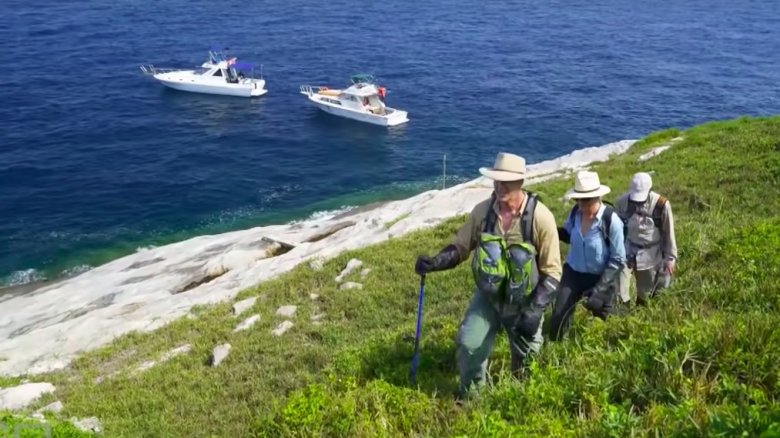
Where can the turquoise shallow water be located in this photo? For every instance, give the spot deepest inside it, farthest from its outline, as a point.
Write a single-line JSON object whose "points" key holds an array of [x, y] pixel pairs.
{"points": [[97, 161]]}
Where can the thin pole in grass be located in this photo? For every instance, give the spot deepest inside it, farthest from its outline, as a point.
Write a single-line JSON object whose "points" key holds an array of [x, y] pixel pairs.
{"points": [[444, 172]]}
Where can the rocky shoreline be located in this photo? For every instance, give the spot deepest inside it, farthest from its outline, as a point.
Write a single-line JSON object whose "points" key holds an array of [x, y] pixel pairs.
{"points": [[43, 329]]}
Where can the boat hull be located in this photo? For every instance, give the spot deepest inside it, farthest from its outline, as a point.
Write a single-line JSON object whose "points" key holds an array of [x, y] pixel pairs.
{"points": [[248, 89], [396, 117]]}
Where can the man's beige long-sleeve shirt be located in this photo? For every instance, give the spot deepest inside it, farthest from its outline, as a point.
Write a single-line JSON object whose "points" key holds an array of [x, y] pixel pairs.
{"points": [[544, 239]]}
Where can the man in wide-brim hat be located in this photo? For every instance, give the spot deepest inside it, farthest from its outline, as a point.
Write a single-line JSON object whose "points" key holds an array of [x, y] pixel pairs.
{"points": [[596, 253], [516, 268]]}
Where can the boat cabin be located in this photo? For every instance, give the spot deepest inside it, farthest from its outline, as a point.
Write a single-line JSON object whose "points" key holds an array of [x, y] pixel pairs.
{"points": [[364, 95], [220, 66], [230, 76], [230, 71]]}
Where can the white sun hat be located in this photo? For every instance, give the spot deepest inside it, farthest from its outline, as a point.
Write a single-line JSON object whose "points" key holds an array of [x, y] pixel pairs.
{"points": [[587, 185], [507, 167], [641, 184]]}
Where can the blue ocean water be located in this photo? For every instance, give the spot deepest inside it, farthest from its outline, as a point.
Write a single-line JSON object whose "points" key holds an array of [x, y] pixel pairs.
{"points": [[97, 160]]}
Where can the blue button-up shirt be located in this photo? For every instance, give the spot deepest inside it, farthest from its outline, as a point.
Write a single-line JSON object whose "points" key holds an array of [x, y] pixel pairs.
{"points": [[588, 253]]}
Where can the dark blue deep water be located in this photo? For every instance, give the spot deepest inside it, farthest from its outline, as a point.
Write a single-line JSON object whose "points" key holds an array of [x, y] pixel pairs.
{"points": [[96, 160]]}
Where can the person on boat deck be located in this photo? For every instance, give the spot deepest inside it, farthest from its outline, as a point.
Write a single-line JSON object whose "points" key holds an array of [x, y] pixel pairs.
{"points": [[651, 248], [368, 107], [516, 267], [596, 254]]}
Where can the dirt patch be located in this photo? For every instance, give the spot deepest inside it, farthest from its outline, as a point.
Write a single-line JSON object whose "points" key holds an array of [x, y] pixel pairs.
{"points": [[134, 280], [361, 209], [31, 289], [129, 308], [138, 265], [112, 365], [279, 248], [37, 324], [197, 282], [330, 231], [219, 247], [198, 276]]}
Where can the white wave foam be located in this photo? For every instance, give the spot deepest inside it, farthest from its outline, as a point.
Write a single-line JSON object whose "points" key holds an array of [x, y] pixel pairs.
{"points": [[18, 278], [327, 214], [76, 270], [322, 215]]}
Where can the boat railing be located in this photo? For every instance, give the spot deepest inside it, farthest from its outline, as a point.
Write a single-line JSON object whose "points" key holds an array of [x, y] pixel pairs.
{"points": [[311, 89], [152, 70]]}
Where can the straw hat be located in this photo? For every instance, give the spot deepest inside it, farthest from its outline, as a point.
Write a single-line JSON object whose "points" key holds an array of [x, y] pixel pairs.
{"points": [[508, 167], [587, 185]]}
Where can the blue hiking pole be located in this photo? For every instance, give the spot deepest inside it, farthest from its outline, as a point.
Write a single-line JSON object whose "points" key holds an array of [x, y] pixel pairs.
{"points": [[416, 356]]}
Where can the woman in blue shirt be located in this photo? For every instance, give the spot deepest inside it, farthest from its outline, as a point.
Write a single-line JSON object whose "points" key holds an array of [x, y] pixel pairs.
{"points": [[596, 254]]}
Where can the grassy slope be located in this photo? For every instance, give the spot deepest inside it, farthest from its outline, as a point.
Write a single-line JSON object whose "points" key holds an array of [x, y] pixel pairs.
{"points": [[700, 360]]}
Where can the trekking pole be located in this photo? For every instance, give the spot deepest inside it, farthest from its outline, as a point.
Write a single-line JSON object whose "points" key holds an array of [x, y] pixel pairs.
{"points": [[416, 356]]}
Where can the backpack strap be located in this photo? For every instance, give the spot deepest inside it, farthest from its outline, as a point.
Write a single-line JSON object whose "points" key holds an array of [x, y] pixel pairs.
{"points": [[606, 219], [630, 212], [490, 217], [606, 222], [572, 215], [527, 218], [630, 209], [656, 214], [658, 211]]}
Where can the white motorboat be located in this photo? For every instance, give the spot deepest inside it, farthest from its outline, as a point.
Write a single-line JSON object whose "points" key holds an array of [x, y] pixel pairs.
{"points": [[218, 75], [362, 101]]}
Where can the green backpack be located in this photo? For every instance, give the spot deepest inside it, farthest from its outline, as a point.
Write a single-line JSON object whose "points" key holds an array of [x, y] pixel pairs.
{"points": [[507, 270]]}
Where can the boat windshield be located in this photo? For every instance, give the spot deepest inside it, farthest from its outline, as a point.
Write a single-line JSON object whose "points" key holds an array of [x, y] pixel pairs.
{"points": [[216, 56], [363, 79]]}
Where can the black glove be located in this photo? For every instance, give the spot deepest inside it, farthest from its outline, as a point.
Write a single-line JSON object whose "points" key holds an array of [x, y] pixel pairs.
{"points": [[447, 258], [545, 290], [596, 301], [527, 323], [600, 295]]}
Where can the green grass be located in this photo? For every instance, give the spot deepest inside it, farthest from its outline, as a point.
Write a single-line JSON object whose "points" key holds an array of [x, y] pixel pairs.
{"points": [[699, 361], [6, 381], [30, 428], [390, 224]]}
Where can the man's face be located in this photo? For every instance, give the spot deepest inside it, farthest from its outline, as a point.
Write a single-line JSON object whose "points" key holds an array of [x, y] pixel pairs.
{"points": [[505, 190], [587, 203]]}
